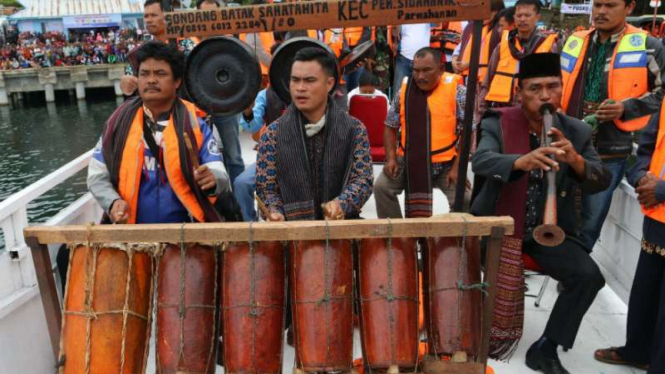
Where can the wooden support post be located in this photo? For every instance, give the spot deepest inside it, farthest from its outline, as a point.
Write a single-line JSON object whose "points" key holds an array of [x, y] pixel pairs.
{"points": [[491, 275], [469, 109], [49, 295]]}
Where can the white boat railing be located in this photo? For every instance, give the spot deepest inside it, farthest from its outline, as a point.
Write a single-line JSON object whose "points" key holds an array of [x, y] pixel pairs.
{"points": [[16, 270]]}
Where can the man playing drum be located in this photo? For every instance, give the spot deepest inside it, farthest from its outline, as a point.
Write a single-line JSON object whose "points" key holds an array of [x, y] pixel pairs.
{"points": [[315, 158], [410, 164], [143, 168], [511, 163]]}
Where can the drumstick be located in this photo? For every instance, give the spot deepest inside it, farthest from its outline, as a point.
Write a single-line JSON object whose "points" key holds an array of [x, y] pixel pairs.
{"points": [[262, 206]]}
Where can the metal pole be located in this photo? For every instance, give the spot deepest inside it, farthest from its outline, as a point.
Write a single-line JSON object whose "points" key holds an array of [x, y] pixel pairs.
{"points": [[655, 13], [167, 5], [471, 88]]}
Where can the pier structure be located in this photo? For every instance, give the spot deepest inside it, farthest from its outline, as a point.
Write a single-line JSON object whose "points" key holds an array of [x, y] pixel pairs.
{"points": [[48, 80]]}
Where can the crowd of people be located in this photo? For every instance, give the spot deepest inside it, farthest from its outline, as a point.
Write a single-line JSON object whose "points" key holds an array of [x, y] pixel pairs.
{"points": [[42, 50], [609, 76]]}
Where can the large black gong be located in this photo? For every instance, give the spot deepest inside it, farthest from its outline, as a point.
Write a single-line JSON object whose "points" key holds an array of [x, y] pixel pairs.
{"points": [[223, 75], [280, 66]]}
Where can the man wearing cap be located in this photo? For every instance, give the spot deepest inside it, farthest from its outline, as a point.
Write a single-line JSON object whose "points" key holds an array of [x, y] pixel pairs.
{"points": [[613, 76], [314, 161], [511, 164], [409, 164]]}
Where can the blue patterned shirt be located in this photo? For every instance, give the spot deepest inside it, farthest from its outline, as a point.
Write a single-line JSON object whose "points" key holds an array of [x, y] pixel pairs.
{"points": [[354, 194]]}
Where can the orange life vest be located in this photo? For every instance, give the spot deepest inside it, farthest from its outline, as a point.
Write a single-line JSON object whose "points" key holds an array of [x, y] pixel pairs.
{"points": [[466, 51], [442, 104], [504, 83], [132, 161], [628, 75], [454, 27], [484, 56], [334, 40], [657, 168], [353, 35]]}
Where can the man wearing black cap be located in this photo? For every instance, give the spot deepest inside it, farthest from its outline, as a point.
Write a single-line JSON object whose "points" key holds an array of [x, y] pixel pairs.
{"points": [[511, 164]]}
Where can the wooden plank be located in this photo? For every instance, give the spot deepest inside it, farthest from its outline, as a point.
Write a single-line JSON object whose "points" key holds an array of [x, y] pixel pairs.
{"points": [[448, 367], [491, 274], [304, 15], [438, 226], [49, 295]]}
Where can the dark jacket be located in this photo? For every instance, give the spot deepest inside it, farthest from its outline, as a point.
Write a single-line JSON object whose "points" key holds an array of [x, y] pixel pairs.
{"points": [[493, 169], [653, 231]]}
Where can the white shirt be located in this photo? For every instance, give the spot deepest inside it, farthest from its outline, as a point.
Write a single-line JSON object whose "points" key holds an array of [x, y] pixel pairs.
{"points": [[412, 38], [356, 91]]}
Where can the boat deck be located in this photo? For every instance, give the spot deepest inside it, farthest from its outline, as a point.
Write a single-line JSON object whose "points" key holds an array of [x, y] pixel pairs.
{"points": [[603, 326]]}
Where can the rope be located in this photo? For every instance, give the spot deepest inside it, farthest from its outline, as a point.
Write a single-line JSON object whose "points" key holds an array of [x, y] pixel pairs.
{"points": [[211, 354], [89, 290], [252, 290], [390, 297], [327, 296], [162, 249], [182, 310], [125, 308], [482, 286], [461, 270], [151, 296]]}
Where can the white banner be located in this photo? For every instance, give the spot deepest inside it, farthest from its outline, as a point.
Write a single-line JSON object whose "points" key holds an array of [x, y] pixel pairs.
{"points": [[576, 8], [92, 21]]}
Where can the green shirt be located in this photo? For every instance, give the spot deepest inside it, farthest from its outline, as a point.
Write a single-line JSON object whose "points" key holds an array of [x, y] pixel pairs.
{"points": [[594, 78]]}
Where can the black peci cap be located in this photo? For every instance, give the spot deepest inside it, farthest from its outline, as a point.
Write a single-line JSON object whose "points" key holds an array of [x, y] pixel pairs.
{"points": [[538, 65]]}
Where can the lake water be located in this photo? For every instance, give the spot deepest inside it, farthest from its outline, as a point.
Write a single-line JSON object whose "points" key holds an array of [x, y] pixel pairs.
{"points": [[37, 138]]}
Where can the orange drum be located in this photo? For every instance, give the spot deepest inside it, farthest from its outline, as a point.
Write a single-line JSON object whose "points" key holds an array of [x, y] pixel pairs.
{"points": [[322, 294], [453, 299], [107, 310], [254, 303], [388, 292], [186, 309]]}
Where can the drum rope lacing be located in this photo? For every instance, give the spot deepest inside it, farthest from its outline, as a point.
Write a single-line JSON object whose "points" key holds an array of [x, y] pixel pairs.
{"points": [[88, 311], [482, 286], [182, 309], [252, 291], [460, 285], [390, 297], [326, 297]]}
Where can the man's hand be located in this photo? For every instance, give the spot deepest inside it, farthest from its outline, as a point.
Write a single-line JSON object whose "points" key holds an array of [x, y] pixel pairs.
{"points": [[249, 111], [453, 175], [128, 84], [646, 190], [333, 210], [610, 110], [459, 66], [275, 217], [538, 159], [119, 211], [205, 178], [570, 155], [391, 168]]}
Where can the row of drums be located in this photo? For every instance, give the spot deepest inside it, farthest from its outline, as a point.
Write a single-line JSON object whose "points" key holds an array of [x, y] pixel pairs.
{"points": [[240, 290]]}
